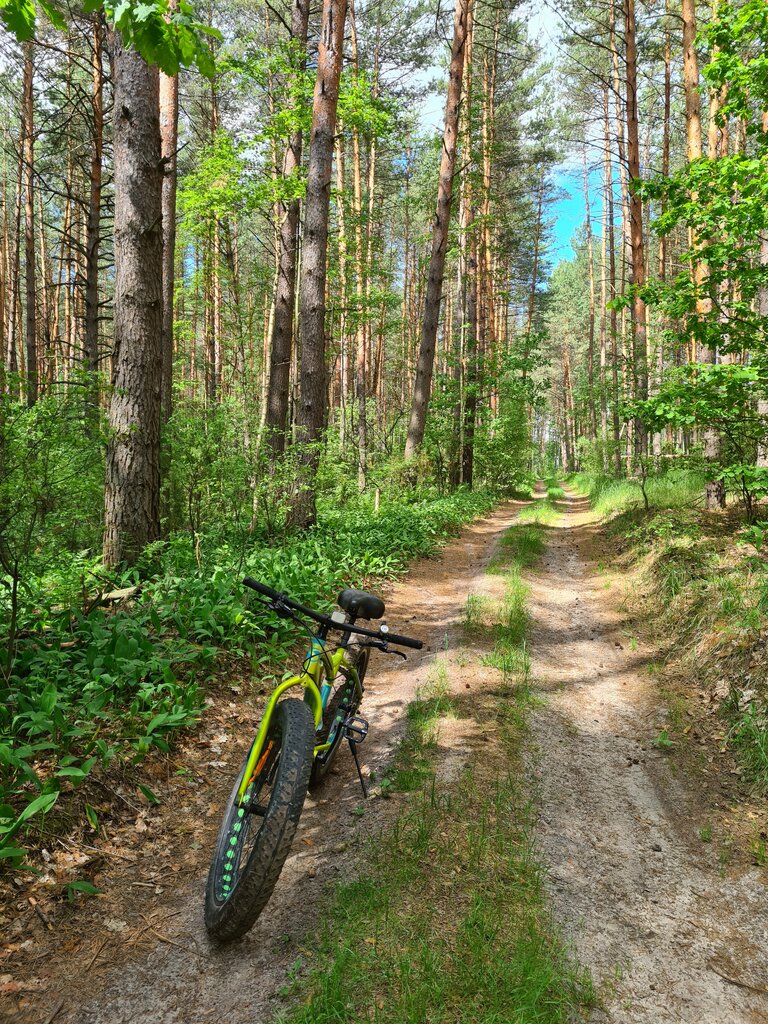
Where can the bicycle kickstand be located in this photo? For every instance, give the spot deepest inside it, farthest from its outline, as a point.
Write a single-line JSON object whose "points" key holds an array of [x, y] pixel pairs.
{"points": [[356, 730], [353, 748]]}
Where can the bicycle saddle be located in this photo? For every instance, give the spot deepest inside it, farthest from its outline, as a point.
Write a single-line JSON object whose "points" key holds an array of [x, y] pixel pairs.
{"points": [[361, 605]]}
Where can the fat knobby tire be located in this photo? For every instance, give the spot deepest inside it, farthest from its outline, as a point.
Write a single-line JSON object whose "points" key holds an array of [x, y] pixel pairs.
{"points": [[231, 917]]}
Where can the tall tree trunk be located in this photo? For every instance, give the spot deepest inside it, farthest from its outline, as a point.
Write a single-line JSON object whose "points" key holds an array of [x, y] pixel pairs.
{"points": [[472, 273], [132, 498], [276, 420], [15, 278], [423, 383], [762, 306], [28, 149], [640, 337], [471, 373], [169, 133], [93, 230], [714, 493], [45, 292], [612, 281], [313, 393], [343, 339], [591, 327], [361, 332]]}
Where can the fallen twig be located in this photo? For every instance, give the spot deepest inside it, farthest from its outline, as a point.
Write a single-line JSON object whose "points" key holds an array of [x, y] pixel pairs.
{"points": [[40, 913], [179, 945], [55, 1013], [172, 942], [95, 956]]}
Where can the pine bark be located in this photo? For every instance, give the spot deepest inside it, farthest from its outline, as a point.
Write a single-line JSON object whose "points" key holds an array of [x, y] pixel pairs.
{"points": [[276, 420], [640, 339], [169, 132], [28, 135], [313, 391], [132, 498], [423, 383], [714, 493], [93, 231]]}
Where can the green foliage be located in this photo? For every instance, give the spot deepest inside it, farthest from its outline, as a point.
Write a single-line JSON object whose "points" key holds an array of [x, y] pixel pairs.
{"points": [[724, 398], [172, 38], [701, 394], [738, 64], [86, 683], [226, 182], [676, 489], [724, 203]]}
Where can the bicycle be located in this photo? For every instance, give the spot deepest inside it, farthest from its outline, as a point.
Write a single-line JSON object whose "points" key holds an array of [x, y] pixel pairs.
{"points": [[296, 743]]}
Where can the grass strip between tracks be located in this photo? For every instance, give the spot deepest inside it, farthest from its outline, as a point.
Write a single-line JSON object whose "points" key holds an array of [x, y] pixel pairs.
{"points": [[449, 921]]}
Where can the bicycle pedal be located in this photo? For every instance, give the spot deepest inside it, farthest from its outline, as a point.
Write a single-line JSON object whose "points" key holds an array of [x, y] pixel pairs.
{"points": [[355, 729]]}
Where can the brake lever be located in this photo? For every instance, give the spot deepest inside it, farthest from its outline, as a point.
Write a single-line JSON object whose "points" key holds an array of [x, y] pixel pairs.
{"points": [[381, 645], [281, 610], [385, 649]]}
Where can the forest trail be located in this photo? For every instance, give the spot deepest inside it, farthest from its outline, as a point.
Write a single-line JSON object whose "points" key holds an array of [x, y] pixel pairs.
{"points": [[670, 934], [181, 978]]}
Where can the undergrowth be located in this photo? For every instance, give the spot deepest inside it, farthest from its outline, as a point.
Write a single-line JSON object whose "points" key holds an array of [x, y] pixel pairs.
{"points": [[449, 922], [675, 489], [82, 683], [706, 584]]}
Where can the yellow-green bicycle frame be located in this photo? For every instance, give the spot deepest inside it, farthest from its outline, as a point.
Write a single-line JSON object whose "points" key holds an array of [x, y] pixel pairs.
{"points": [[316, 694]]}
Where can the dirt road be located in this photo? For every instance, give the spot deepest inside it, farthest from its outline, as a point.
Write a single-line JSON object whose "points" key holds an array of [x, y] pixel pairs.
{"points": [[673, 935], [669, 934], [158, 967]]}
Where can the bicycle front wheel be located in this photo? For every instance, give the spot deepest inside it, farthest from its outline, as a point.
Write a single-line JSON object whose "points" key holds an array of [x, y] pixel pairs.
{"points": [[255, 837]]}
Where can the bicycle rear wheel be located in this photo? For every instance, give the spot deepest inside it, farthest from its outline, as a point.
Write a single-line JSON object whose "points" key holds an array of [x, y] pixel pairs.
{"points": [[255, 838]]}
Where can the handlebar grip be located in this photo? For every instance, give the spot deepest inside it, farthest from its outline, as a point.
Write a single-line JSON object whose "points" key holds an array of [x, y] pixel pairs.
{"points": [[260, 588], [404, 641]]}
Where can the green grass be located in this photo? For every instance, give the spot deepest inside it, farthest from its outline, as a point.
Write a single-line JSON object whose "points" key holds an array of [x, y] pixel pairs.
{"points": [[449, 923], [707, 592], [554, 491], [676, 489], [749, 737], [415, 760]]}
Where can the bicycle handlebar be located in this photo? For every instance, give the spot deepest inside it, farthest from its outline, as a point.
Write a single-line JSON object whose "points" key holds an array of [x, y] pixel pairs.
{"points": [[326, 620]]}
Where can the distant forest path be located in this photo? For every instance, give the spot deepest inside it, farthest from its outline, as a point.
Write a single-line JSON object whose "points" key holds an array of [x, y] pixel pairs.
{"points": [[143, 946], [672, 935]]}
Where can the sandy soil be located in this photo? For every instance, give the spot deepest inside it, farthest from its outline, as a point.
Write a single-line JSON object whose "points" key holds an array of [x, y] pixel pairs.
{"points": [[672, 935], [669, 933], [144, 955]]}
